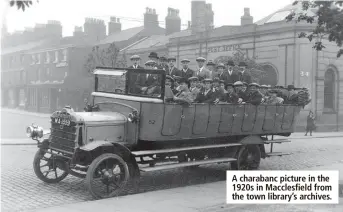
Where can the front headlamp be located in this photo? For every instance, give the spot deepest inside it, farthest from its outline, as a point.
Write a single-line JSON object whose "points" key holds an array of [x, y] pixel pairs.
{"points": [[133, 117], [34, 131]]}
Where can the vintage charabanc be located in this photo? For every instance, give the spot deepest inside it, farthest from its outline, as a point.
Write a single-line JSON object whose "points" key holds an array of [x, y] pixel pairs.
{"points": [[124, 132]]}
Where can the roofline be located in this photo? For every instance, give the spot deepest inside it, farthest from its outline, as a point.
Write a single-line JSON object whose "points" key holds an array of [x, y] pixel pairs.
{"points": [[137, 42], [54, 49]]}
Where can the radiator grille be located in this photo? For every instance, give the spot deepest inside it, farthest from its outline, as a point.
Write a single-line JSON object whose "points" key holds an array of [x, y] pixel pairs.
{"points": [[63, 138]]}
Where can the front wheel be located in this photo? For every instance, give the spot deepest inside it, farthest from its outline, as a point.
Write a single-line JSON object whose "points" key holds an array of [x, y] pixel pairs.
{"points": [[48, 168], [107, 176]]}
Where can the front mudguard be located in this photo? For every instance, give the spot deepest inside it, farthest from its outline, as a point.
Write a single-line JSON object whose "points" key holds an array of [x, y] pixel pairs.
{"points": [[97, 148]]}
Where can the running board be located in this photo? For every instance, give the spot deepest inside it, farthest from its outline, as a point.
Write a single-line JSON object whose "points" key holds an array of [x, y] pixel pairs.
{"points": [[277, 141], [164, 151], [271, 154], [187, 164]]}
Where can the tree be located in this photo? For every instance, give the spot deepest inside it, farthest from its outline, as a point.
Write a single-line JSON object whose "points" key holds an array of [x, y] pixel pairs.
{"points": [[328, 18], [257, 72], [107, 57], [21, 4]]}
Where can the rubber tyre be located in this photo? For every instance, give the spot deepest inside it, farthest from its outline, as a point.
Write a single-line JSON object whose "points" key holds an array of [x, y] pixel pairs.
{"points": [[95, 164], [255, 149], [39, 174]]}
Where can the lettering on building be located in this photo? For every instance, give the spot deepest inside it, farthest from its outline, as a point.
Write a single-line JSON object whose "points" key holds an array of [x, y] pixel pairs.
{"points": [[223, 48]]}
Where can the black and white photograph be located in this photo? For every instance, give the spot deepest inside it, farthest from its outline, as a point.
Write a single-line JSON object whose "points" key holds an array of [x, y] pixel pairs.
{"points": [[183, 105]]}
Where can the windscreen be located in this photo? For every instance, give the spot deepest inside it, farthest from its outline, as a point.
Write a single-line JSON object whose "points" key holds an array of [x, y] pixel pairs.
{"points": [[134, 83]]}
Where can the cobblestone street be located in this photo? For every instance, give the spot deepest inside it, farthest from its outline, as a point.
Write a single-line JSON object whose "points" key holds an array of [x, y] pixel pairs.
{"points": [[21, 190]]}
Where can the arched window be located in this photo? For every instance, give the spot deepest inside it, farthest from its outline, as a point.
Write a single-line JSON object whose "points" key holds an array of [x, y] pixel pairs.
{"points": [[329, 90], [270, 76]]}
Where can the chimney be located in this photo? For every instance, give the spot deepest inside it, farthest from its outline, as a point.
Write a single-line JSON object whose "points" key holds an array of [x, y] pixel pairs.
{"points": [[202, 16], [114, 25], [54, 29], [246, 19], [173, 21], [78, 31], [95, 29], [150, 18]]}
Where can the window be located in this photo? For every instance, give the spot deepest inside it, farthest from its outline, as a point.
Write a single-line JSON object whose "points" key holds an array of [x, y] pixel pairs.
{"points": [[47, 57], [38, 59], [38, 74], [32, 97], [22, 57], [33, 59], [45, 100], [56, 57], [329, 91], [47, 72], [64, 55]]}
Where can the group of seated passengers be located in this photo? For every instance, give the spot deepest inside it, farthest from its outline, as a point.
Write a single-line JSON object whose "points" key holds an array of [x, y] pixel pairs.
{"points": [[215, 91]]}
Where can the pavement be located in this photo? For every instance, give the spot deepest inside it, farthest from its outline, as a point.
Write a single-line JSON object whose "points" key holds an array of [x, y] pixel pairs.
{"points": [[206, 197]]}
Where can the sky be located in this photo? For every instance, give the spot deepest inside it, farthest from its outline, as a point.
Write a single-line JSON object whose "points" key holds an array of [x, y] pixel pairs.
{"points": [[72, 13]]}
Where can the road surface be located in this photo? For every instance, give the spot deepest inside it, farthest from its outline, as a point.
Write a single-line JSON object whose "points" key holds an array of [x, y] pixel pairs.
{"points": [[21, 190]]}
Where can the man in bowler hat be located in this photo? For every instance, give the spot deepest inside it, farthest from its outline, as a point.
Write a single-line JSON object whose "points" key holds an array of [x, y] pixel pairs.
{"points": [[244, 75]]}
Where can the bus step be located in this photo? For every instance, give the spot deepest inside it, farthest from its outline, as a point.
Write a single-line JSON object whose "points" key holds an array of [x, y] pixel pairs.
{"points": [[278, 141], [182, 149], [187, 164], [271, 154]]}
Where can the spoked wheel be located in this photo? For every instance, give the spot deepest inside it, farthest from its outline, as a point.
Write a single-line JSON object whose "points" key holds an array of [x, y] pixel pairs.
{"points": [[248, 158], [107, 176], [48, 168]]}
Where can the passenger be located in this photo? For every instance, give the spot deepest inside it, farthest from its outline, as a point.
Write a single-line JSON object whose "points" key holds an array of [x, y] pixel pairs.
{"points": [[168, 93], [230, 76], [240, 91], [184, 95], [220, 72], [254, 95], [263, 90], [206, 95], [212, 68], [186, 72], [176, 84], [193, 86], [202, 72], [245, 86], [231, 96], [273, 98], [173, 71], [144, 80], [135, 60], [222, 85], [244, 74], [164, 64], [153, 57], [292, 97], [218, 92]]}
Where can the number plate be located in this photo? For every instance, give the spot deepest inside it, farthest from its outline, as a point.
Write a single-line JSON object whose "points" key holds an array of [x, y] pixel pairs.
{"points": [[64, 122]]}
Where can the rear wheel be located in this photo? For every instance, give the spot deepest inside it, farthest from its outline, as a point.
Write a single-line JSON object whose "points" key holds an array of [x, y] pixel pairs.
{"points": [[248, 158], [48, 168], [107, 176]]}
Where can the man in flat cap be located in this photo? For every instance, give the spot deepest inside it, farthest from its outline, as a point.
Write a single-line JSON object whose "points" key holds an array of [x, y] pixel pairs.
{"points": [[220, 72], [238, 86], [206, 95], [211, 66], [173, 71], [230, 76], [254, 95], [186, 72], [244, 74], [273, 98], [163, 64], [202, 72], [143, 81], [168, 92], [218, 93], [184, 95], [193, 81], [135, 59]]}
